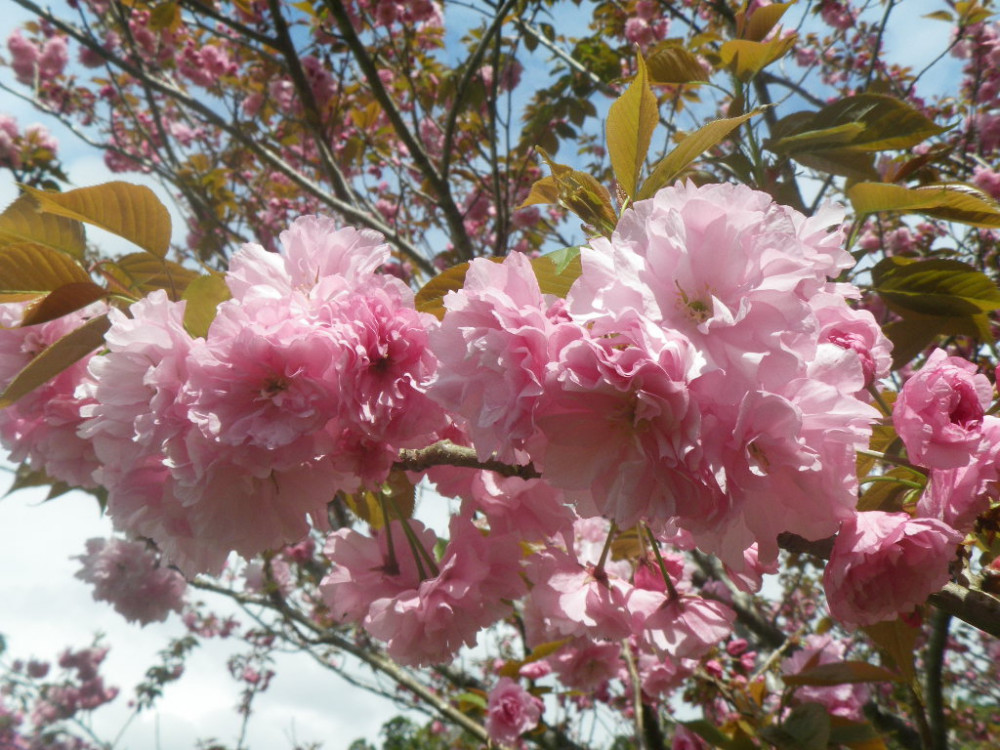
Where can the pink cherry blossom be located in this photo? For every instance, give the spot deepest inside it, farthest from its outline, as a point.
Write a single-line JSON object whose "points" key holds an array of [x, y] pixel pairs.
{"points": [[364, 572], [531, 508], [620, 423], [319, 260], [939, 412], [959, 496], [511, 711], [385, 365], [128, 575], [687, 626], [885, 564], [24, 57], [584, 664], [425, 618], [41, 427], [495, 345], [266, 382]]}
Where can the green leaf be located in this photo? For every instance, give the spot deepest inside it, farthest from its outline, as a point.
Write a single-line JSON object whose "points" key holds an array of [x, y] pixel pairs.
{"points": [[71, 348], [130, 211], [858, 735], [746, 58], [897, 641], [864, 122], [915, 332], [762, 20], [957, 202], [23, 222], [806, 728], [670, 63], [139, 274], [557, 270], [577, 192], [938, 286], [631, 121], [430, 297], [689, 149], [62, 301], [840, 673], [888, 496], [31, 268], [470, 699], [204, 294]]}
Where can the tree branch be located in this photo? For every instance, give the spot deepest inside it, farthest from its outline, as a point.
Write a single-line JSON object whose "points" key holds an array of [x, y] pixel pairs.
{"points": [[453, 216], [446, 453], [263, 152]]}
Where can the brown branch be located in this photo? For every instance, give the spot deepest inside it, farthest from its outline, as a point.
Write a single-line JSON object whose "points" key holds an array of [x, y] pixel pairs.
{"points": [[446, 453], [442, 190], [263, 152]]}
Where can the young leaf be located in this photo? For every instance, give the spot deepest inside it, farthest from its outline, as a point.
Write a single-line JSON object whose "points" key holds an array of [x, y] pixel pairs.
{"points": [[938, 286], [71, 348], [204, 294], [557, 271], [130, 211], [541, 651], [22, 221], [62, 301], [897, 641], [140, 273], [854, 734], [915, 332], [631, 121], [746, 58], [840, 673], [670, 63], [864, 122], [689, 149], [761, 21], [807, 727], [430, 297], [952, 202], [575, 191], [28, 267], [543, 191]]}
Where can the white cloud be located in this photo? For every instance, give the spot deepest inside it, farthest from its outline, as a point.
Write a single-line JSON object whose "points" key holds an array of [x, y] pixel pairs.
{"points": [[46, 609]]}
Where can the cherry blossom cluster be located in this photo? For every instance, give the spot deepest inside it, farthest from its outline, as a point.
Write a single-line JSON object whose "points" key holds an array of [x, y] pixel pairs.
{"points": [[310, 380], [38, 708], [704, 384], [129, 576], [26, 149]]}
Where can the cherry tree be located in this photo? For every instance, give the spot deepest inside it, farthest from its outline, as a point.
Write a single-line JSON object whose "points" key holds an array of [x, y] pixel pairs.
{"points": [[684, 312]]}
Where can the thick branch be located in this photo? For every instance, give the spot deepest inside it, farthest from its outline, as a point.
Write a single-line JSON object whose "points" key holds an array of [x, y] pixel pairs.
{"points": [[933, 687]]}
